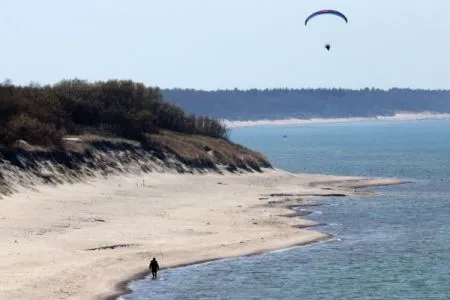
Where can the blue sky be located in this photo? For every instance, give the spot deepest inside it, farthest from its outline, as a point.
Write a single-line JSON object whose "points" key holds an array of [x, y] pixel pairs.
{"points": [[210, 44]]}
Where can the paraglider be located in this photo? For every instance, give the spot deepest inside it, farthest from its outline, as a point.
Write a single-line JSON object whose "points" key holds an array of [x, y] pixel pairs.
{"points": [[326, 12]]}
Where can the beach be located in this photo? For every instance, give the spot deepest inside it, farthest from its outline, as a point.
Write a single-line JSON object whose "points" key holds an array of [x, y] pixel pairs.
{"points": [[87, 240], [397, 117]]}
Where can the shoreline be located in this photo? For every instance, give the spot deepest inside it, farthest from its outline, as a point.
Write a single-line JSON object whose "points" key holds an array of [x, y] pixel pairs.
{"points": [[89, 240], [124, 289], [398, 117]]}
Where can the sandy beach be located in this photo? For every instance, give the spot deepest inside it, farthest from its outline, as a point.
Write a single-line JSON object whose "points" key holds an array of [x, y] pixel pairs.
{"points": [[398, 117], [86, 240]]}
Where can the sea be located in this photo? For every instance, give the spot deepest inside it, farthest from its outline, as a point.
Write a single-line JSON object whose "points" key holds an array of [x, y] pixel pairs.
{"points": [[392, 245]]}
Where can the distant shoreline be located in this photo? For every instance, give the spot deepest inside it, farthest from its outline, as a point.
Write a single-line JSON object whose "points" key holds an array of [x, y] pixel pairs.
{"points": [[401, 116]]}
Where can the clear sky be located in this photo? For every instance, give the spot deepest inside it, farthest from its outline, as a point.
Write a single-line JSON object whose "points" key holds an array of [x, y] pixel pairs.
{"points": [[209, 44]]}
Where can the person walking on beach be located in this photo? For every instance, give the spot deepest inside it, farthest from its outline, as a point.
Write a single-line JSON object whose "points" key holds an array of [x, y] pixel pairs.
{"points": [[154, 266]]}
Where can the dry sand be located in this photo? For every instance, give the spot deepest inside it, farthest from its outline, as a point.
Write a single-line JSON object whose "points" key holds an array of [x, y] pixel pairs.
{"points": [[47, 235]]}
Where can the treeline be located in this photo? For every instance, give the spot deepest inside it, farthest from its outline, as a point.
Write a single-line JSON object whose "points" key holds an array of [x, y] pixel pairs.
{"points": [[42, 115], [257, 104]]}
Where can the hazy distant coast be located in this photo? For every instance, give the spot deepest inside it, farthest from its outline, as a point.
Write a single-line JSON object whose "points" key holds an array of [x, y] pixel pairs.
{"points": [[306, 103], [405, 116]]}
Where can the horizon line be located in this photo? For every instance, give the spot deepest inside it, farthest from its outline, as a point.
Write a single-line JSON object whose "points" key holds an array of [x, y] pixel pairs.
{"points": [[36, 83], [305, 88]]}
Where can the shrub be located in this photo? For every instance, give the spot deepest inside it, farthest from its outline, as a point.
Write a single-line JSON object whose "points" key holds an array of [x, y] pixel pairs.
{"points": [[41, 115]]}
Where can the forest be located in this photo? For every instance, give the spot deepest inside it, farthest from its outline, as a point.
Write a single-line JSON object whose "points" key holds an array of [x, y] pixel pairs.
{"points": [[255, 104]]}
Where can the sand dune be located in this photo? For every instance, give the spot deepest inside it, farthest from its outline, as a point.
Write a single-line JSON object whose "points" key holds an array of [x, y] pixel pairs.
{"points": [[81, 241]]}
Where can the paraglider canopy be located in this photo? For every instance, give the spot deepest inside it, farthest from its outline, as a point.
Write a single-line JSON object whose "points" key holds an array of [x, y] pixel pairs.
{"points": [[326, 12]]}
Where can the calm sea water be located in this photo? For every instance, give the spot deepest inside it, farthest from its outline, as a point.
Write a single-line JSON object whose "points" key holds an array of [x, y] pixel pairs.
{"points": [[395, 245]]}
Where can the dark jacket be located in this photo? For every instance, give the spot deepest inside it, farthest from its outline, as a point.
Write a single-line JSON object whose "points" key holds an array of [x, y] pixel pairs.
{"points": [[154, 266]]}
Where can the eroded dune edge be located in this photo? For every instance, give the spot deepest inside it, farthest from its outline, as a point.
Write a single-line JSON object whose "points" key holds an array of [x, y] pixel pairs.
{"points": [[87, 240]]}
